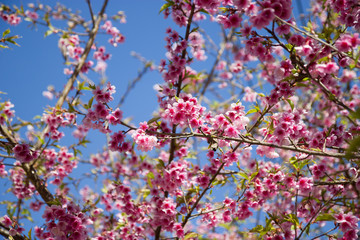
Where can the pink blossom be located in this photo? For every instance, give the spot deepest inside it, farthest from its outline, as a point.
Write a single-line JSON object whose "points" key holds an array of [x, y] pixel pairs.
{"points": [[250, 95], [348, 222], [6, 221], [305, 185], [145, 142], [48, 95], [241, 4], [12, 19], [267, 151], [23, 153], [32, 15], [3, 172]]}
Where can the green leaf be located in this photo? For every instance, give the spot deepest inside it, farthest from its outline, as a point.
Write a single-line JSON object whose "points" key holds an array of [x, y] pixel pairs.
{"points": [[191, 235], [298, 84], [89, 104], [227, 118], [161, 164], [307, 230], [298, 164], [353, 147], [244, 175], [40, 139], [251, 111], [166, 5], [292, 218], [257, 229], [154, 119], [71, 108], [204, 11], [97, 200], [254, 175], [356, 114], [56, 201], [325, 217], [290, 103], [29, 234], [12, 41], [6, 32], [48, 32], [150, 176], [194, 30], [295, 163], [146, 193]]}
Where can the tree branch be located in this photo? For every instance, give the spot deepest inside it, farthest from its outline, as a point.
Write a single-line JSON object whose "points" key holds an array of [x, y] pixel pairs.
{"points": [[201, 195], [253, 141]]}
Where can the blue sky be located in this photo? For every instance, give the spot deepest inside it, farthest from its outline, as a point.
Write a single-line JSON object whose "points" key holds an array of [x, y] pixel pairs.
{"points": [[26, 71]]}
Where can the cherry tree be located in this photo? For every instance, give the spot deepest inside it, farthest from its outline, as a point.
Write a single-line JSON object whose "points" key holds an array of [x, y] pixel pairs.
{"points": [[263, 143]]}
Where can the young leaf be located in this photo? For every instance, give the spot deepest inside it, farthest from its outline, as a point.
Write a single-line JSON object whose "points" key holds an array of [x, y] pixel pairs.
{"points": [[325, 217], [244, 175], [166, 5], [290, 103], [251, 111], [6, 32], [191, 235]]}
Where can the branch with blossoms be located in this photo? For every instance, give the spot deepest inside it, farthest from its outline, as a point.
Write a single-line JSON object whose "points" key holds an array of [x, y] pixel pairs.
{"points": [[252, 141], [202, 166]]}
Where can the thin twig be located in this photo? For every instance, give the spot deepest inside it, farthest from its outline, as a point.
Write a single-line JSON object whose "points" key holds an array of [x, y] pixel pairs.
{"points": [[187, 217], [253, 141], [311, 36], [91, 13], [210, 77]]}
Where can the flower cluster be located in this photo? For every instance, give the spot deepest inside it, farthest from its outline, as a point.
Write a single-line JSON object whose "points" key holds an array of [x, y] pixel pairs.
{"points": [[70, 48], [348, 225], [232, 21], [349, 12], [164, 215], [104, 95], [144, 141], [6, 113], [32, 15], [117, 143], [67, 221], [176, 175], [196, 43], [3, 172], [59, 165], [175, 47], [101, 57], [12, 19], [117, 37], [231, 122], [23, 153], [13, 225], [347, 42], [184, 111], [55, 120], [282, 90], [309, 122], [22, 188], [99, 114]]}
